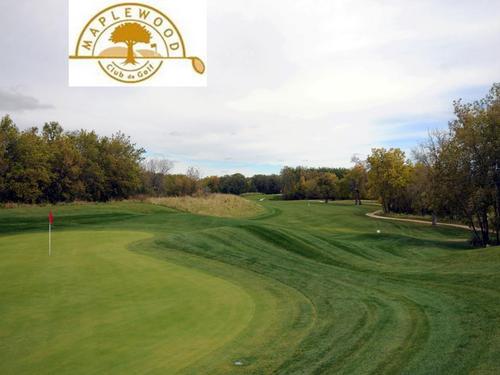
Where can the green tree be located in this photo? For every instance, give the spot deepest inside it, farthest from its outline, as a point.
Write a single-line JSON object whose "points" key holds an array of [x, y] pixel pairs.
{"points": [[388, 176], [327, 185], [29, 170], [420, 189], [180, 185], [233, 184], [93, 175], [289, 181], [52, 131], [8, 138], [211, 184], [65, 165], [121, 163], [356, 180], [465, 163], [265, 184]]}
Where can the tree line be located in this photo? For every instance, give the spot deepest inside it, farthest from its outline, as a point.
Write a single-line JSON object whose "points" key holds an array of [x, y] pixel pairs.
{"points": [[50, 165], [292, 183], [454, 175], [325, 183]]}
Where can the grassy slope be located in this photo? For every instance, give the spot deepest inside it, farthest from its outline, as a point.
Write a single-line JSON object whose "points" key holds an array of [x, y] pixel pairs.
{"points": [[409, 300]]}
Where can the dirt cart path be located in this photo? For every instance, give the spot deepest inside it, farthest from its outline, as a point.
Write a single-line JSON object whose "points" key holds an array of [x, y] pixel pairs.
{"points": [[375, 215]]}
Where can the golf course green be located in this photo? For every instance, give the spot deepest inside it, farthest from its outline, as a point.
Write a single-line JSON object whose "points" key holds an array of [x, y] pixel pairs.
{"points": [[303, 288]]}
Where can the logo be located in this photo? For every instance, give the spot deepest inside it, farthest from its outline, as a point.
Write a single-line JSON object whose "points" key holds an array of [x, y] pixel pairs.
{"points": [[130, 43]]}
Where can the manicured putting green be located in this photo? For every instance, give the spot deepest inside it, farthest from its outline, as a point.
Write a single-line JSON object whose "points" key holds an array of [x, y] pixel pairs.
{"points": [[94, 307]]}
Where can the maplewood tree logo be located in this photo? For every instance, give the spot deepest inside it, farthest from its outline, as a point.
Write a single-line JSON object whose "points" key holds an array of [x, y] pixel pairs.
{"points": [[130, 43]]}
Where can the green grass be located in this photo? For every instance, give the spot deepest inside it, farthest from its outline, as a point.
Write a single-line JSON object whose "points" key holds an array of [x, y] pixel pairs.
{"points": [[304, 288]]}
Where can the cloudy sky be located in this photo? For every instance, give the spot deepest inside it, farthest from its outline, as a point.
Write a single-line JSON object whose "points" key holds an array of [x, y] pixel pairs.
{"points": [[291, 82]]}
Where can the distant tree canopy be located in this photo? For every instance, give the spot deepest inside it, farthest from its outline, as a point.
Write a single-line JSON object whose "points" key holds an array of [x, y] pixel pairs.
{"points": [[322, 183], [239, 184], [234, 184], [56, 166], [265, 184]]}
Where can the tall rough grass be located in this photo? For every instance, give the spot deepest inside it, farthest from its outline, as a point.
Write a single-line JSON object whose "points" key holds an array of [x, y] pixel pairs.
{"points": [[221, 205]]}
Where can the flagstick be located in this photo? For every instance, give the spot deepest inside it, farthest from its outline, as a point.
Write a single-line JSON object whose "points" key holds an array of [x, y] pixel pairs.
{"points": [[50, 242]]}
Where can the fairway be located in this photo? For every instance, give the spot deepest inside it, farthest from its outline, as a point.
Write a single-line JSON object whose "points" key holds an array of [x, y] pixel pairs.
{"points": [[303, 288]]}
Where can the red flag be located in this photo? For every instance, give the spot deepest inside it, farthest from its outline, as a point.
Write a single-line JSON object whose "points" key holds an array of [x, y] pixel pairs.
{"points": [[51, 217]]}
